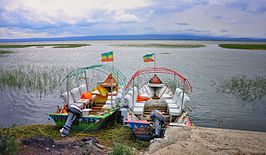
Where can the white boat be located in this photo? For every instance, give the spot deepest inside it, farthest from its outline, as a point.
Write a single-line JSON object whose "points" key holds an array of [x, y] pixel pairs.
{"points": [[148, 99]]}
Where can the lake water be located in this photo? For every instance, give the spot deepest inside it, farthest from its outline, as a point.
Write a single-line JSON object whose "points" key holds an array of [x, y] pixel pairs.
{"points": [[204, 68]]}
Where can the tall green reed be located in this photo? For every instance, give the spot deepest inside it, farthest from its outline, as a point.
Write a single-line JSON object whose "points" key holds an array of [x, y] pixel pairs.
{"points": [[32, 79], [245, 88]]}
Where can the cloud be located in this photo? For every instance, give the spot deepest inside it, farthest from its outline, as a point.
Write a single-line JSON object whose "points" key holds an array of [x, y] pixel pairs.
{"points": [[37, 13], [224, 30], [218, 17], [191, 30], [51, 18], [182, 24]]}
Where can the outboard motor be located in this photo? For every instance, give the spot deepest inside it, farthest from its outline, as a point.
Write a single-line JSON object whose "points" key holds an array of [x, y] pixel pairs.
{"points": [[158, 120], [74, 112]]}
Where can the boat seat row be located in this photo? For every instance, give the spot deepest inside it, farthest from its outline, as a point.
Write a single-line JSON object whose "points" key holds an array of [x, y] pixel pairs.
{"points": [[131, 99], [113, 99], [175, 105], [75, 95], [146, 91], [163, 92]]}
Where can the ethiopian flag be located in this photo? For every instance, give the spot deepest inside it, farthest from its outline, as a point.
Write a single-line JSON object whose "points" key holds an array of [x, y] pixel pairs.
{"points": [[108, 56], [148, 58]]}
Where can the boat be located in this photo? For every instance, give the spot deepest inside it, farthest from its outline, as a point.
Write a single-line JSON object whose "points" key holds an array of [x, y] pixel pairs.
{"points": [[93, 93], [153, 104]]}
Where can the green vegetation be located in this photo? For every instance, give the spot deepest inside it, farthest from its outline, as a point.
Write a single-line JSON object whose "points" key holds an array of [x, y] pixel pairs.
{"points": [[108, 136], [31, 79], [5, 52], [8, 144], [244, 46], [160, 45], [245, 88], [120, 149], [42, 45]]}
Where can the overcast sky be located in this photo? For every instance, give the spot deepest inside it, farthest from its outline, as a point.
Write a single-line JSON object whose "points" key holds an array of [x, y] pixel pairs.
{"points": [[63, 18]]}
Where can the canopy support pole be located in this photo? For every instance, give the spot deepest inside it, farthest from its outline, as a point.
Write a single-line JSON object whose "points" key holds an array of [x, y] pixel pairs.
{"points": [[67, 88], [87, 84], [133, 99]]}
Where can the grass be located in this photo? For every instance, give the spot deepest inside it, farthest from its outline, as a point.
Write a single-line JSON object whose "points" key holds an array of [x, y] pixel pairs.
{"points": [[41, 81], [160, 45], [122, 149], [109, 136], [8, 144], [244, 46], [42, 45], [5, 52], [245, 88]]}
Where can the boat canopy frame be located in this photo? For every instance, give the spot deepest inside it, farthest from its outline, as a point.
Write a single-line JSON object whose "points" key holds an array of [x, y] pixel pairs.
{"points": [[149, 70], [107, 69]]}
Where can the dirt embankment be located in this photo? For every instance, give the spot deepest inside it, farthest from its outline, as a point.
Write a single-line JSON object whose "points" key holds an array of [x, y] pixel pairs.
{"points": [[197, 140], [68, 146]]}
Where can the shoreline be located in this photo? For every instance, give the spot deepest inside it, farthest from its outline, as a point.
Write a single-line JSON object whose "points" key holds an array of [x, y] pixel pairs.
{"points": [[200, 140], [177, 140]]}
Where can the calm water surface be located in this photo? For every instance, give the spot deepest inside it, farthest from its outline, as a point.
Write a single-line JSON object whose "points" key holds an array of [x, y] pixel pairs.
{"points": [[204, 67]]}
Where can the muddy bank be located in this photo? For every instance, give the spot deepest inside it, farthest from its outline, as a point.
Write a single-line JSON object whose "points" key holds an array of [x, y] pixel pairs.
{"points": [[197, 140], [71, 146]]}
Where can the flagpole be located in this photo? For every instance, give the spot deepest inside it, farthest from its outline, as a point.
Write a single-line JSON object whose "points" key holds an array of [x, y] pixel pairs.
{"points": [[154, 62], [112, 82]]}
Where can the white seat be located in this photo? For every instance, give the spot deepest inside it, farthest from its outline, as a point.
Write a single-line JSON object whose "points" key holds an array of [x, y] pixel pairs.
{"points": [[64, 97], [83, 101], [107, 107], [82, 89], [114, 93], [178, 91], [174, 112], [173, 106], [109, 97], [139, 104], [75, 94], [164, 93], [138, 111], [86, 112], [109, 102], [166, 96]]}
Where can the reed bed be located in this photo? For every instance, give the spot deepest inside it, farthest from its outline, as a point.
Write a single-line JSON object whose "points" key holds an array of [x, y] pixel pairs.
{"points": [[32, 79], [246, 89], [244, 46], [5, 52], [160, 45], [42, 45]]}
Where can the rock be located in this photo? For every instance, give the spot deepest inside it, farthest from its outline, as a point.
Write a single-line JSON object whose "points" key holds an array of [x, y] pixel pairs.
{"points": [[100, 146], [197, 140]]}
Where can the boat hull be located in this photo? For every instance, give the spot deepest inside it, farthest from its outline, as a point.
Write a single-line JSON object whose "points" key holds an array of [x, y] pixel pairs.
{"points": [[141, 130], [85, 123]]}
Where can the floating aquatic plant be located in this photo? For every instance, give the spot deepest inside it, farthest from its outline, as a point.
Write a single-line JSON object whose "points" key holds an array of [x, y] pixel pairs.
{"points": [[245, 88]]}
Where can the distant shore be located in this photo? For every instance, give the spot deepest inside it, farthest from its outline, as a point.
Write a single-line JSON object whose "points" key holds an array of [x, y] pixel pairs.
{"points": [[244, 46], [43, 45]]}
